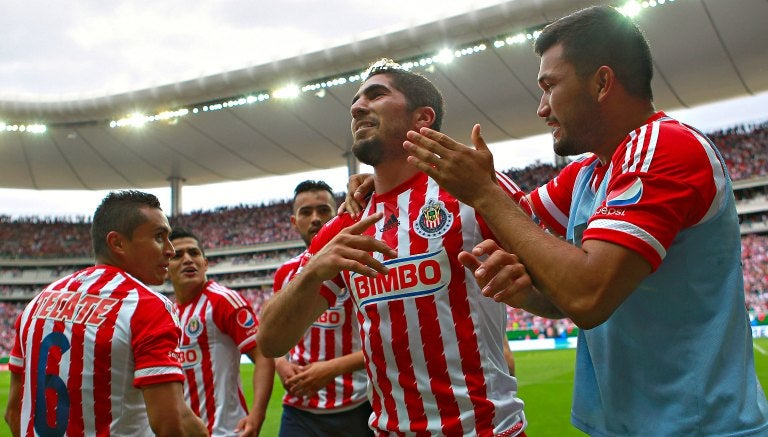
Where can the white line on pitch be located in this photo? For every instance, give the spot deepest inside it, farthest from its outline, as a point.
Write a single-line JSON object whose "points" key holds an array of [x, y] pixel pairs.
{"points": [[759, 349]]}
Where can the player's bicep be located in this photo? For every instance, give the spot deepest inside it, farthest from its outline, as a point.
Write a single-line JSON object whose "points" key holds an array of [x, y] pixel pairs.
{"points": [[616, 272]]}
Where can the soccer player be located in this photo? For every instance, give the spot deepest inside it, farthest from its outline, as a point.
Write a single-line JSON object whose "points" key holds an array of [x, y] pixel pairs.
{"points": [[652, 273], [217, 326], [96, 352], [323, 374], [432, 342]]}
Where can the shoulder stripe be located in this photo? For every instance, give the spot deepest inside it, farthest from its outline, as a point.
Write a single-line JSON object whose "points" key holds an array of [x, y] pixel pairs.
{"points": [[718, 175], [651, 146], [507, 183], [234, 298], [634, 144], [641, 148], [551, 208]]}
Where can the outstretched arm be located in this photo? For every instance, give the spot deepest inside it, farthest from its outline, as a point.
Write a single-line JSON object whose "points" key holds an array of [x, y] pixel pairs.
{"points": [[504, 279], [168, 414], [13, 409], [263, 380], [287, 315], [587, 283]]}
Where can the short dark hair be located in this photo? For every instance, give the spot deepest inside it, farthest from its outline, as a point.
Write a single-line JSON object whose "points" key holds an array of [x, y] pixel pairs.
{"points": [[601, 35], [417, 89], [310, 185], [185, 233], [119, 211]]}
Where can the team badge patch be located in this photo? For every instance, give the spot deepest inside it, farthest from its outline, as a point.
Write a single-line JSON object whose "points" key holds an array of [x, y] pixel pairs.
{"points": [[245, 319], [625, 194], [194, 327], [434, 221]]}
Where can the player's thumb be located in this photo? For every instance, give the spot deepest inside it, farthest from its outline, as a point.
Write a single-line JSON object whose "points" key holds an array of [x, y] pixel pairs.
{"points": [[477, 138]]}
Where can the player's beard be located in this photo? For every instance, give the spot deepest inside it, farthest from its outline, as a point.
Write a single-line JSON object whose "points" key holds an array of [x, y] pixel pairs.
{"points": [[579, 128], [369, 151]]}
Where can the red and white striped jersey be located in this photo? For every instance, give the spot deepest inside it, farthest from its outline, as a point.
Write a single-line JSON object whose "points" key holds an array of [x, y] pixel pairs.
{"points": [[216, 328], [86, 345], [334, 334], [431, 340]]}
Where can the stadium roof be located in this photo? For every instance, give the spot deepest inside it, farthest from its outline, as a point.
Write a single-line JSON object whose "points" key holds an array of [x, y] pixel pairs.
{"points": [[704, 51]]}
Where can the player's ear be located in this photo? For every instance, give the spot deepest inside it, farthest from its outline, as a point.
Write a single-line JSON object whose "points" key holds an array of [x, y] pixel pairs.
{"points": [[604, 80], [116, 242], [424, 116], [293, 220]]}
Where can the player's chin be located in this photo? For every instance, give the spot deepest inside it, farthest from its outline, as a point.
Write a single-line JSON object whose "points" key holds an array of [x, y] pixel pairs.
{"points": [[157, 278]]}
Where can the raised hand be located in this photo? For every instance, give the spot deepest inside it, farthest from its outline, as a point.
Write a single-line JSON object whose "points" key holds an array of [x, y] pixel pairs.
{"points": [[461, 170], [501, 275]]}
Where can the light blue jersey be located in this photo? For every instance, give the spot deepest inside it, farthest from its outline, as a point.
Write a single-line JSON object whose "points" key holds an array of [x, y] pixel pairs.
{"points": [[675, 358]]}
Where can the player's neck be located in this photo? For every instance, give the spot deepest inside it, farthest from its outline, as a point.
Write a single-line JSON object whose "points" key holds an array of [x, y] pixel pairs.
{"points": [[185, 295], [390, 174]]}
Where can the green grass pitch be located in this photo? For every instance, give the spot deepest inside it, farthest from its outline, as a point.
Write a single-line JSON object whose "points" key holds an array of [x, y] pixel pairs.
{"points": [[545, 384]]}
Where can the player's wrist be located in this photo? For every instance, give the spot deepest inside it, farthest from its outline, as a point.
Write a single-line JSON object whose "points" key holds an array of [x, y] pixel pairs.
{"points": [[486, 198]]}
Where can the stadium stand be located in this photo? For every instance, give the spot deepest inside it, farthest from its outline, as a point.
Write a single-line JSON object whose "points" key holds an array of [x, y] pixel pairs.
{"points": [[246, 243]]}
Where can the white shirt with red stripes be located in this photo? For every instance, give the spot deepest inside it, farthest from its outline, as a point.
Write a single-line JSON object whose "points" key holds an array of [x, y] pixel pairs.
{"points": [[334, 334], [86, 345], [217, 327], [431, 340]]}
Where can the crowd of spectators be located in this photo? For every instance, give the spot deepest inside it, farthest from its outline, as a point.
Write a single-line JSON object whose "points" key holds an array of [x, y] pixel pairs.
{"points": [[745, 149], [29, 237], [754, 256], [9, 311]]}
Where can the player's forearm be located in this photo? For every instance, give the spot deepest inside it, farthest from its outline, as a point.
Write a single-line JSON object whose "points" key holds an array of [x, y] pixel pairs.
{"points": [[186, 424], [288, 314], [349, 363], [585, 283], [263, 381], [538, 304], [13, 409], [13, 419], [193, 426]]}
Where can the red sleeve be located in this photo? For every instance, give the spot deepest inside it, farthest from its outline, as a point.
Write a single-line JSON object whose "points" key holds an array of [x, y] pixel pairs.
{"points": [[16, 361], [235, 317], [285, 273], [662, 182], [155, 340], [552, 202], [513, 191], [282, 275], [330, 289]]}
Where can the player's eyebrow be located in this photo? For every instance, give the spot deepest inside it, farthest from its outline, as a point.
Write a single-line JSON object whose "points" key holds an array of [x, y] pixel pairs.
{"points": [[368, 90]]}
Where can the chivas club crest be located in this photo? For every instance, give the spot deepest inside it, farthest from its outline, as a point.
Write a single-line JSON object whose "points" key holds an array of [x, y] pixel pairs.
{"points": [[433, 220], [194, 327]]}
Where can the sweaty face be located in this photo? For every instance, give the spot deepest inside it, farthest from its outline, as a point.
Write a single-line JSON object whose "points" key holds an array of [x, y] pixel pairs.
{"points": [[312, 209], [567, 105], [188, 266], [380, 120], [147, 253]]}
